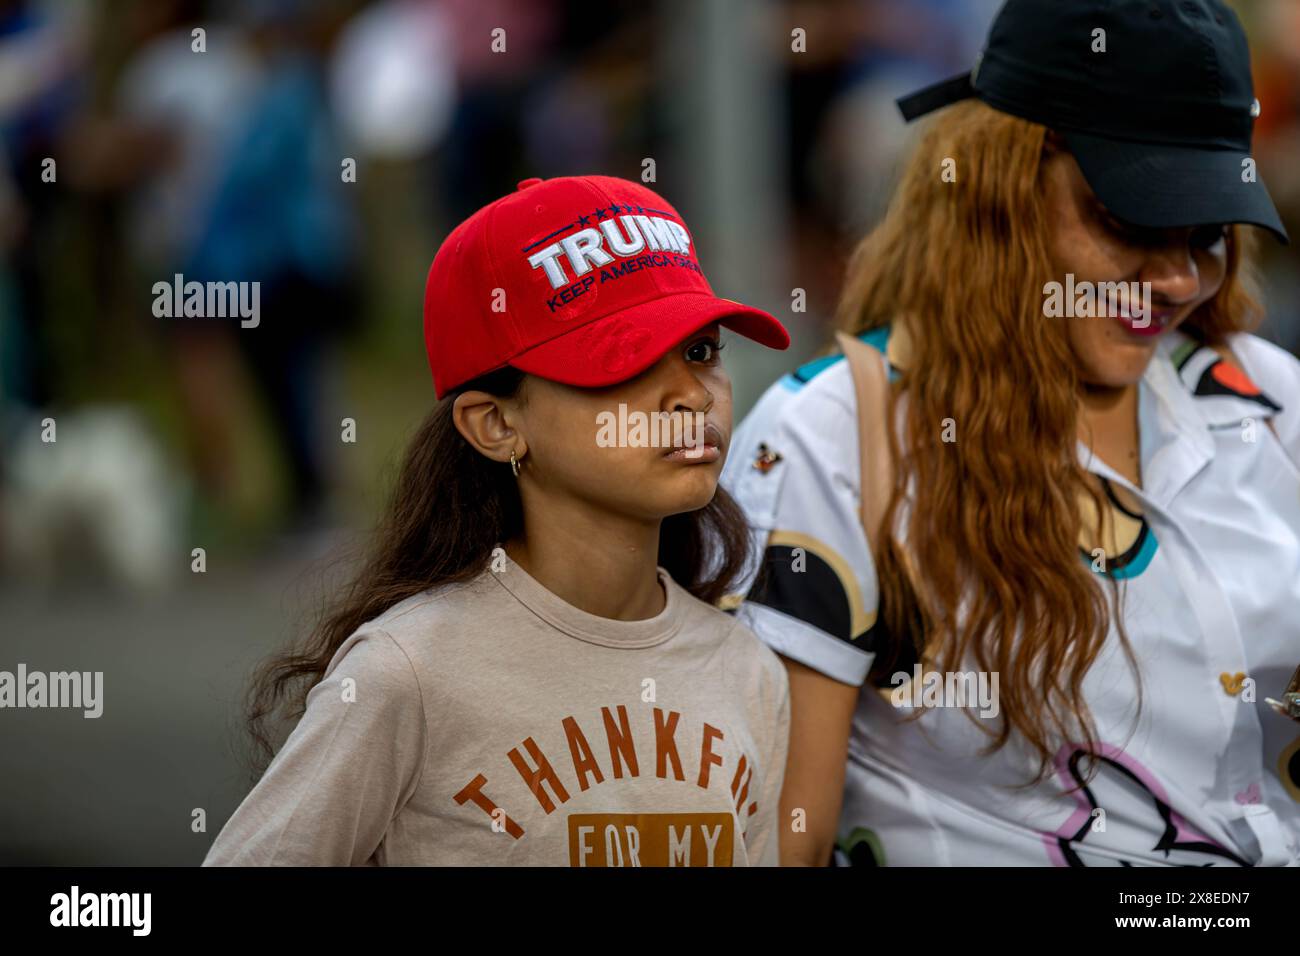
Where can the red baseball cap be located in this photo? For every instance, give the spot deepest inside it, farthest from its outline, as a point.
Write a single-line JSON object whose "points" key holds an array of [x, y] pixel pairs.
{"points": [[584, 280]]}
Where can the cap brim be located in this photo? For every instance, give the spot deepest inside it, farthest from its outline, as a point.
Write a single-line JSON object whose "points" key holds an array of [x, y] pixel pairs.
{"points": [[619, 346], [1164, 187], [936, 96]]}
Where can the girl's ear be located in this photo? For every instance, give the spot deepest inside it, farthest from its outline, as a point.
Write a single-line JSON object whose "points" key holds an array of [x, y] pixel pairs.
{"points": [[485, 421]]}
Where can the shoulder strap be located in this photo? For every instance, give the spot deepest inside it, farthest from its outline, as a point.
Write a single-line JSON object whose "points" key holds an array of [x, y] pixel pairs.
{"points": [[876, 467]]}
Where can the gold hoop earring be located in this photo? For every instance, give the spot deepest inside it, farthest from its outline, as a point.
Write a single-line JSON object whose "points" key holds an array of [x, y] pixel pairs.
{"points": [[514, 464]]}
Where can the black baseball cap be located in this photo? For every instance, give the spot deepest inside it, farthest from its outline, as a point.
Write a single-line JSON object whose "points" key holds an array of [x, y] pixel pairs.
{"points": [[1154, 99]]}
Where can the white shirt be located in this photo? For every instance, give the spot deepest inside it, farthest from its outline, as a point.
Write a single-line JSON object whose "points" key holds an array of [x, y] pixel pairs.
{"points": [[1209, 563]]}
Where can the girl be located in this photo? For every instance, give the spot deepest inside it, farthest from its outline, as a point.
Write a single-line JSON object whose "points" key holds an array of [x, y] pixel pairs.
{"points": [[1036, 573], [529, 671]]}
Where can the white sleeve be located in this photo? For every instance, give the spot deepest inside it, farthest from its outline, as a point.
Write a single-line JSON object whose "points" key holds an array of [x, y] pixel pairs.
{"points": [[349, 766], [816, 601]]}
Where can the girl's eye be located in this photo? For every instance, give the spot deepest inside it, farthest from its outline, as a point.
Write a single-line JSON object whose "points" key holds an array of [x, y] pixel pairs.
{"points": [[1128, 232], [1205, 237], [704, 351]]}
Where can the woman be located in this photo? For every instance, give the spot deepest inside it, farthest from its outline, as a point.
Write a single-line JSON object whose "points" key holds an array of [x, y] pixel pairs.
{"points": [[1056, 644], [529, 671]]}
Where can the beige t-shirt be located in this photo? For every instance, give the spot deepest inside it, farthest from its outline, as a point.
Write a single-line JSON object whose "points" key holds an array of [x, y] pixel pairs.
{"points": [[492, 723]]}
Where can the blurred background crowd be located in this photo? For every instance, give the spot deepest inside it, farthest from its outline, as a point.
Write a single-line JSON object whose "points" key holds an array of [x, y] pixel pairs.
{"points": [[228, 163]]}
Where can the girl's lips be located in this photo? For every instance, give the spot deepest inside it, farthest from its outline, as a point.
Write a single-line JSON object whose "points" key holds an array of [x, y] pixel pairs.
{"points": [[692, 456], [708, 448], [1155, 323]]}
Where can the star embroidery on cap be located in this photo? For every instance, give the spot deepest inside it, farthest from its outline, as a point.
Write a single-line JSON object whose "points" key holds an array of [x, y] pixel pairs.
{"points": [[583, 220], [613, 209], [599, 213], [766, 458]]}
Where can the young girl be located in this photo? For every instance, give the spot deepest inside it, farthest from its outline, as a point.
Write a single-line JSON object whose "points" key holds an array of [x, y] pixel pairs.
{"points": [[1048, 566], [529, 670]]}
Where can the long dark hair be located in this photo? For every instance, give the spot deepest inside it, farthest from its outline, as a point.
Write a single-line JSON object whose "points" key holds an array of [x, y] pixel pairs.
{"points": [[449, 508]]}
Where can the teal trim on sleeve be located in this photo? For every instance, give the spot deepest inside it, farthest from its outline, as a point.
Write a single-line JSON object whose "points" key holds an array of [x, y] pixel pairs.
{"points": [[877, 338]]}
